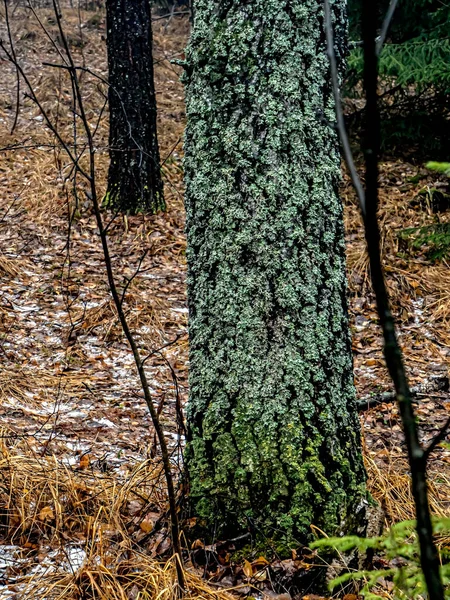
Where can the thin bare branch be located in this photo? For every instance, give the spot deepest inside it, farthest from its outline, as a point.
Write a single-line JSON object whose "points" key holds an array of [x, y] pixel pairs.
{"points": [[48, 122], [13, 53], [439, 437], [385, 27], [175, 531], [434, 385], [46, 32], [393, 354], [131, 279]]}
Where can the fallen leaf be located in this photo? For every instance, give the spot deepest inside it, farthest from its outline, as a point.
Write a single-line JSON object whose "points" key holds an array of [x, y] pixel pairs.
{"points": [[260, 562], [46, 514], [248, 569], [261, 575], [85, 461], [146, 525], [371, 362]]}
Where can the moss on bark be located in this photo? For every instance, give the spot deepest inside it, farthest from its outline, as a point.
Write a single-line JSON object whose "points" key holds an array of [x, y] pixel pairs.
{"points": [[274, 436]]}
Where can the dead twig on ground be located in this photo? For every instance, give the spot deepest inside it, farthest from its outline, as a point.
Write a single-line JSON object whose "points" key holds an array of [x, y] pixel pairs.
{"points": [[437, 384]]}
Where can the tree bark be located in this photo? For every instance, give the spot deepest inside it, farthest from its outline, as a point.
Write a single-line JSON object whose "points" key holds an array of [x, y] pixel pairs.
{"points": [[273, 430], [134, 177]]}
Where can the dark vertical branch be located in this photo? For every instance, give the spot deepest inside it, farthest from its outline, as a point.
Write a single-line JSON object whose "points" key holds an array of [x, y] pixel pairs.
{"points": [[348, 155], [394, 360], [392, 351]]}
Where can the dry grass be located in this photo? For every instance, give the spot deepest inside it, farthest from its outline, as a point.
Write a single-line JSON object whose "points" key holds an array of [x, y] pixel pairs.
{"points": [[10, 266], [391, 487], [103, 318], [48, 509], [139, 577], [112, 524], [19, 385], [43, 499]]}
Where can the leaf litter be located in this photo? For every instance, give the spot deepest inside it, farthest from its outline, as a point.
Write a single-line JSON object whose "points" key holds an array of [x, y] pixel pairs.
{"points": [[83, 505]]}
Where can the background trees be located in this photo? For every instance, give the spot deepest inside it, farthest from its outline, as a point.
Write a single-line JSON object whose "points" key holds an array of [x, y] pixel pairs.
{"points": [[273, 432], [414, 75], [134, 178]]}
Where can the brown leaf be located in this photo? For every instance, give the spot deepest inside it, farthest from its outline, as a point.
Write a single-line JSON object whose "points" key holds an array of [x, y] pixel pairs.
{"points": [[260, 562], [146, 524], [248, 569], [46, 514], [85, 461], [164, 545]]}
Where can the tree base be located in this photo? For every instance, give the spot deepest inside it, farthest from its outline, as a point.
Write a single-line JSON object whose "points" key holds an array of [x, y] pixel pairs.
{"points": [[133, 205]]}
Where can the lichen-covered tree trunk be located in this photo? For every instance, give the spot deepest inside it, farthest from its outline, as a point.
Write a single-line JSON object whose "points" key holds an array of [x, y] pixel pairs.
{"points": [[274, 437], [134, 177]]}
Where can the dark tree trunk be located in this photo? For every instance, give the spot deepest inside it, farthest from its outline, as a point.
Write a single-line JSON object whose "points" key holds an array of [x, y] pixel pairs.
{"points": [[274, 435], [134, 178]]}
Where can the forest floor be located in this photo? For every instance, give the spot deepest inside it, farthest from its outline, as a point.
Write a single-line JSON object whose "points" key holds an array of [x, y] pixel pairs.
{"points": [[82, 500]]}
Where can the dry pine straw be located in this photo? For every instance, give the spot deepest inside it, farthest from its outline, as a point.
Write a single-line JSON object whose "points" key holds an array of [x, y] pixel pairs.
{"points": [[49, 510], [47, 505]]}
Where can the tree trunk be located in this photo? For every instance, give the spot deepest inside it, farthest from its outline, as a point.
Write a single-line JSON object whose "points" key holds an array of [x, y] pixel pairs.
{"points": [[134, 177], [274, 436]]}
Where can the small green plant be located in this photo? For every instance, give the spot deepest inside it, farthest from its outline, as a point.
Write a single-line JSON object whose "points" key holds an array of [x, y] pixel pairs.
{"points": [[414, 70], [434, 238], [440, 167], [399, 547]]}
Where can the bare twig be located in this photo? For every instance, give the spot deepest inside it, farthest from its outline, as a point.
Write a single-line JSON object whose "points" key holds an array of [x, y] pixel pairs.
{"points": [[438, 438], [35, 99], [89, 175], [178, 13], [46, 32], [348, 155], [385, 27], [153, 352], [129, 280], [178, 407], [393, 355], [437, 384], [13, 53], [122, 317]]}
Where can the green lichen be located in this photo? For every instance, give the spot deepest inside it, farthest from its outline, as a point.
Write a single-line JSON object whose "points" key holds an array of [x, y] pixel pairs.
{"points": [[274, 437]]}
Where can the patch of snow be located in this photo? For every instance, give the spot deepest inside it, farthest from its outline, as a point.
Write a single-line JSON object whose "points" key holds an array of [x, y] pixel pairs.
{"points": [[76, 558], [101, 423], [76, 414], [70, 461]]}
